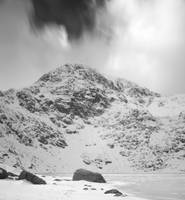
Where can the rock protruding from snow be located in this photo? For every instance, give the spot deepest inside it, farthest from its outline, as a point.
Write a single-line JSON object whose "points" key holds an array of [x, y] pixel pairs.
{"points": [[31, 178], [1, 94], [116, 192], [3, 173], [83, 174]]}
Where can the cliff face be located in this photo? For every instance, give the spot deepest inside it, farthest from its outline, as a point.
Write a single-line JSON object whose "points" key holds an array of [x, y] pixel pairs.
{"points": [[75, 117]]}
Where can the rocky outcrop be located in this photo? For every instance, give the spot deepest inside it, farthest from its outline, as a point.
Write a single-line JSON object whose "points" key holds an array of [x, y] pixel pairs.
{"points": [[27, 100], [83, 174], [31, 178], [3, 173]]}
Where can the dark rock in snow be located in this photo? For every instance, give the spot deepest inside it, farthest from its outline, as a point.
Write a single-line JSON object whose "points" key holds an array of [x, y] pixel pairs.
{"points": [[83, 174], [61, 143], [57, 179], [116, 192], [1, 94], [43, 140], [71, 131], [3, 118], [87, 162], [27, 101], [111, 146], [67, 120], [31, 178], [12, 175], [108, 162], [3, 173]]}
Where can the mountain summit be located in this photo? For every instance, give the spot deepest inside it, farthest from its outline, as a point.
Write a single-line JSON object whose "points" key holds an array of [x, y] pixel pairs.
{"points": [[74, 117]]}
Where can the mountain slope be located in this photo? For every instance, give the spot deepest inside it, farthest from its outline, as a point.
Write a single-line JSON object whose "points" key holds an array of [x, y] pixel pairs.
{"points": [[75, 117]]}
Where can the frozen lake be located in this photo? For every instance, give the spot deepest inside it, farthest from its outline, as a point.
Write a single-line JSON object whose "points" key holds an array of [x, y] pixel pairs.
{"points": [[151, 186]]}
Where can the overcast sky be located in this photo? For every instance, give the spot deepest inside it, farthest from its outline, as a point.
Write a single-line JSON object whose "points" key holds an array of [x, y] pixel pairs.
{"points": [[140, 40]]}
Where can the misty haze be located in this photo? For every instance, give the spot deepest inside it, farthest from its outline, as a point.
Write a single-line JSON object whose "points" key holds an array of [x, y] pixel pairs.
{"points": [[92, 99]]}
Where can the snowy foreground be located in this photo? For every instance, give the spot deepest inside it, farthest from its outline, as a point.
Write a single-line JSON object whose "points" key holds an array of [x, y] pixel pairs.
{"points": [[56, 189]]}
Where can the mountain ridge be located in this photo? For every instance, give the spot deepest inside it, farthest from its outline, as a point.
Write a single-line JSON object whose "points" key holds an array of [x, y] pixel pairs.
{"points": [[75, 117]]}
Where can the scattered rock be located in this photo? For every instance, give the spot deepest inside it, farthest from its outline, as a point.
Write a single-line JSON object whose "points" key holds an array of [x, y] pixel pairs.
{"points": [[116, 192], [108, 162], [67, 120], [182, 115], [3, 173], [1, 94], [5, 155], [61, 143], [27, 101], [124, 153], [86, 121], [87, 185], [57, 179], [98, 160], [31, 178], [31, 166], [83, 174], [67, 179], [71, 130], [87, 162], [3, 118], [43, 140], [111, 146]]}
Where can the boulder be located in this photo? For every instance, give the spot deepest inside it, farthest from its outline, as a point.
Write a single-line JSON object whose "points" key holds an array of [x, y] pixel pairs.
{"points": [[31, 178], [71, 130], [3, 173], [83, 174], [116, 192], [67, 120]]}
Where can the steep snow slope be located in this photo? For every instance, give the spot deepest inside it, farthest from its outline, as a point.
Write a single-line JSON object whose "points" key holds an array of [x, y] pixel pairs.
{"points": [[74, 117]]}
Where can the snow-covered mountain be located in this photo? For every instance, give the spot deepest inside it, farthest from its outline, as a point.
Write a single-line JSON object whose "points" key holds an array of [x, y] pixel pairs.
{"points": [[74, 117]]}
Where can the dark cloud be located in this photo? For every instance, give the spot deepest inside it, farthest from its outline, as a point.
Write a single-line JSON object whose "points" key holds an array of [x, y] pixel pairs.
{"points": [[1, 1], [77, 16]]}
